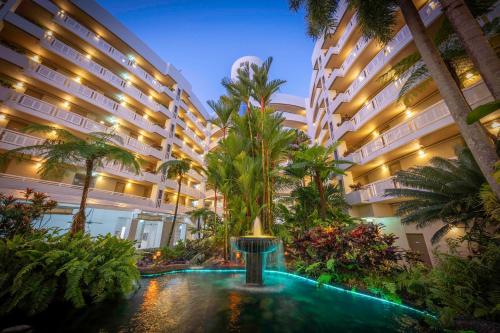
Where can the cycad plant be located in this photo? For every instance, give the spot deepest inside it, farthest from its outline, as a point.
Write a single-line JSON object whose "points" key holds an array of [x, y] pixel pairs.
{"points": [[447, 190], [63, 150], [378, 20], [175, 169]]}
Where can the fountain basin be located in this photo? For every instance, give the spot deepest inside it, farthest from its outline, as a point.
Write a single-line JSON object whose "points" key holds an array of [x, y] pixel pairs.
{"points": [[253, 244], [256, 249]]}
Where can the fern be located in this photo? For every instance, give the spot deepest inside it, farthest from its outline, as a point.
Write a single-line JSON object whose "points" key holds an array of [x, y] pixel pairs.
{"points": [[41, 268]]}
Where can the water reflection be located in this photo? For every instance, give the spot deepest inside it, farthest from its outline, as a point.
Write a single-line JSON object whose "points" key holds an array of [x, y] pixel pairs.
{"points": [[235, 310]]}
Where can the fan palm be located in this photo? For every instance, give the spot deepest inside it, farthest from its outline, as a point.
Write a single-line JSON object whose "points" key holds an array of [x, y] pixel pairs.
{"points": [[321, 164], [176, 169], [63, 150], [446, 190], [377, 19]]}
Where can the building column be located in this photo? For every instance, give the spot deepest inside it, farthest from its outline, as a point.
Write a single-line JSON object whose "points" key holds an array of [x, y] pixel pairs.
{"points": [[133, 229]]}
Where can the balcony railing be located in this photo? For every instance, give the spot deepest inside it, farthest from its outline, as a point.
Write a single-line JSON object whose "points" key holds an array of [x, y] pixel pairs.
{"points": [[73, 120], [97, 41], [428, 13], [419, 125], [373, 192], [127, 61], [75, 88], [99, 71], [433, 118]]}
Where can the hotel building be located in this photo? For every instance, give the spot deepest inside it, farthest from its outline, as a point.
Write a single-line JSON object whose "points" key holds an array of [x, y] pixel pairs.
{"points": [[381, 135], [72, 65]]}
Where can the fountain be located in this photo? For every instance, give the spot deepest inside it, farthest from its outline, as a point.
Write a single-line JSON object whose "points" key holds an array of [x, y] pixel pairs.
{"points": [[256, 247]]}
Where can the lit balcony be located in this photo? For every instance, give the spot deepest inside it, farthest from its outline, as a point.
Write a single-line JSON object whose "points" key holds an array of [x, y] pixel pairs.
{"points": [[423, 123], [372, 193], [99, 71], [428, 14], [73, 87], [98, 42], [47, 111]]}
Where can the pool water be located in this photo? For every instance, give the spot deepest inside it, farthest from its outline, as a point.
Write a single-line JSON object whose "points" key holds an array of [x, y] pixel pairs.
{"points": [[219, 302]]}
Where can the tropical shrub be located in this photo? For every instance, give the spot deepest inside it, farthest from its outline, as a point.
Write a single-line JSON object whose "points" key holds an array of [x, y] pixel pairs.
{"points": [[457, 287], [42, 268], [359, 256], [22, 216], [199, 250]]}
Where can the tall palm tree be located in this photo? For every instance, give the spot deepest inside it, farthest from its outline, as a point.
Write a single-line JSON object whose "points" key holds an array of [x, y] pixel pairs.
{"points": [[63, 150], [447, 190], [377, 19], [475, 42], [176, 169], [262, 89], [321, 164], [224, 108]]}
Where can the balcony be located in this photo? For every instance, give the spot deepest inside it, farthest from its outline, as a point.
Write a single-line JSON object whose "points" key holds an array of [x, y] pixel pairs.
{"points": [[44, 110], [68, 193], [428, 14], [371, 193], [371, 108], [79, 90], [189, 151], [67, 52], [428, 121], [345, 36], [98, 42], [185, 189], [12, 139]]}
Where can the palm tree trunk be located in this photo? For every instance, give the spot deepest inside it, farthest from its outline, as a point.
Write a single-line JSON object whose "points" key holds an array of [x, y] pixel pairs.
{"points": [[79, 218], [474, 135], [224, 216], [322, 200], [215, 202], [175, 212], [475, 42]]}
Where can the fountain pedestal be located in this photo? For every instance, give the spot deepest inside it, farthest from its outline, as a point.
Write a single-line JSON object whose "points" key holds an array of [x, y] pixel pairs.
{"points": [[256, 249]]}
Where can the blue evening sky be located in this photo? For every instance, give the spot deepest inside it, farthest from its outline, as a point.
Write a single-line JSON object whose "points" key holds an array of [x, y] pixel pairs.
{"points": [[203, 38]]}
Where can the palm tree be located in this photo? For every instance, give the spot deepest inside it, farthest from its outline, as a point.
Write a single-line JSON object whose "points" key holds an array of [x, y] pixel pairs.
{"points": [[62, 150], [321, 164], [377, 19], [475, 42], [200, 214], [224, 108], [262, 89], [447, 190], [175, 169]]}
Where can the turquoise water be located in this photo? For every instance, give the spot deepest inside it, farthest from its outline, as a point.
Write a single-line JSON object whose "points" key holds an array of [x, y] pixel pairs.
{"points": [[219, 302]]}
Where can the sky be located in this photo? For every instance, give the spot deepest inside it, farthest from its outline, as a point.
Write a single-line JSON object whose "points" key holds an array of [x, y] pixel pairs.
{"points": [[203, 38]]}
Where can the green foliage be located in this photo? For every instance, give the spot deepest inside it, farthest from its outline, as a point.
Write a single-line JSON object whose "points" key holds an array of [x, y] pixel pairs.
{"points": [[482, 111], [189, 250], [62, 151], [22, 216], [457, 286], [446, 190], [42, 268], [358, 256]]}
